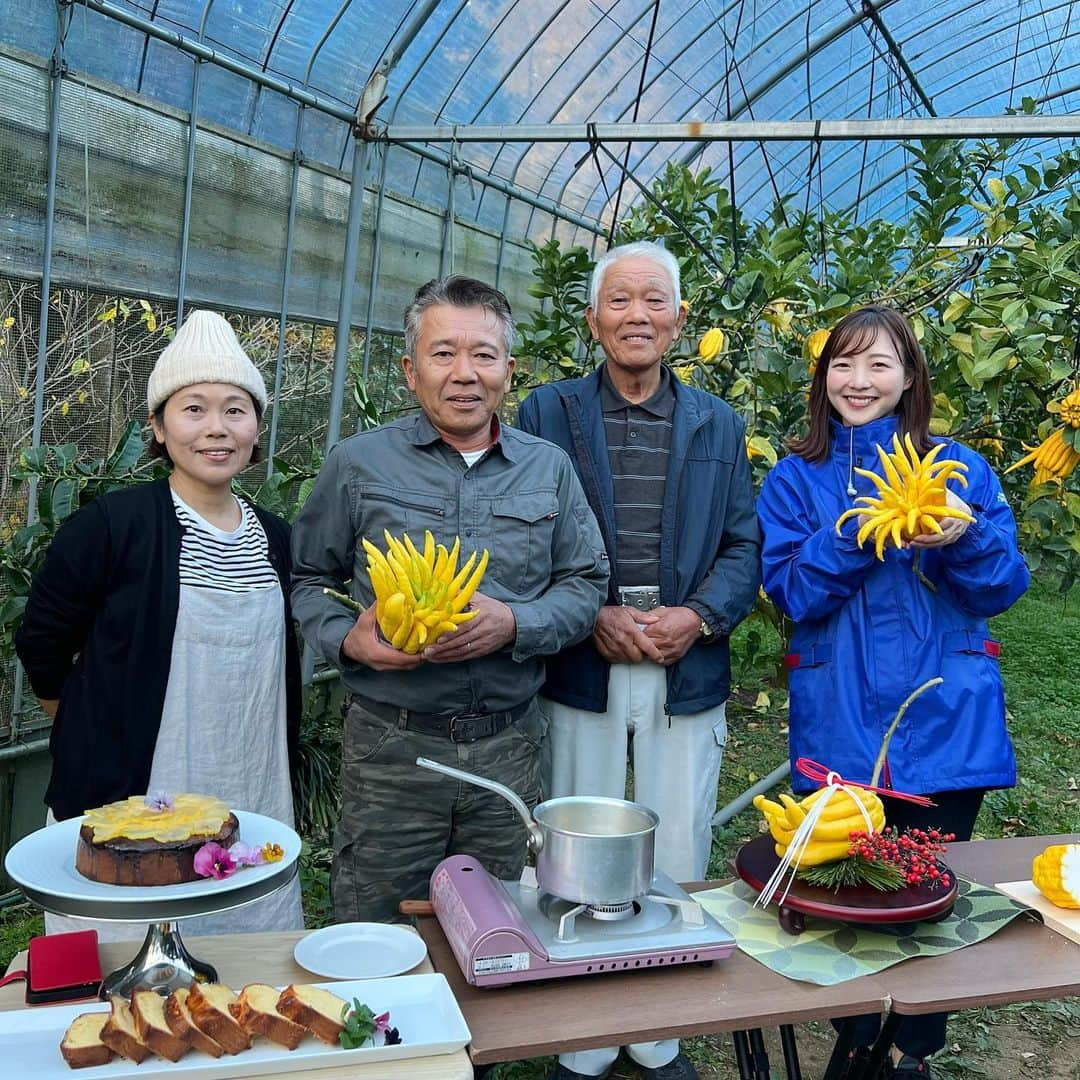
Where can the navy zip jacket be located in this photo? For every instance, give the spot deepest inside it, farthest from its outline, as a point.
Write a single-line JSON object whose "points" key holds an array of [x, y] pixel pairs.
{"points": [[709, 543], [868, 632], [98, 633]]}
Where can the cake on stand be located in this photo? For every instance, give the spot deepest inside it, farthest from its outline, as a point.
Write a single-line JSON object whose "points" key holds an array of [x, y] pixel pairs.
{"points": [[43, 866]]}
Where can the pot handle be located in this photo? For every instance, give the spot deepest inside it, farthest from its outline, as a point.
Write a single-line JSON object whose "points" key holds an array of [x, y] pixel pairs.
{"points": [[536, 837]]}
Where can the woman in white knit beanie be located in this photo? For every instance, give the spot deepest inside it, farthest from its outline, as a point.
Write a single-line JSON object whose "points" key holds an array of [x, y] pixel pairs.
{"points": [[158, 632]]}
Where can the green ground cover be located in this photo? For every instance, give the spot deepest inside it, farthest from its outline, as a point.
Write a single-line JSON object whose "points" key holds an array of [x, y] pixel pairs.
{"points": [[1040, 641]]}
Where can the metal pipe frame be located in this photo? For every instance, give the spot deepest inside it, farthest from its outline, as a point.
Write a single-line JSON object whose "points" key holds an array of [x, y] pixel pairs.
{"points": [[290, 227], [56, 78], [887, 130], [189, 173], [626, 31], [204, 52], [348, 279], [391, 55], [775, 77]]}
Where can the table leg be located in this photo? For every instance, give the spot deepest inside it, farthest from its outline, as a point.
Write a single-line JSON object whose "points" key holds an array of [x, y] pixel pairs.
{"points": [[845, 1040], [742, 1054], [761, 1058], [791, 1052]]}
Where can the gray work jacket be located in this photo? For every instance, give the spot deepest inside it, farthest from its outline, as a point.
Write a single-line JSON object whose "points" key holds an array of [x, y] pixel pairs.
{"points": [[522, 501]]}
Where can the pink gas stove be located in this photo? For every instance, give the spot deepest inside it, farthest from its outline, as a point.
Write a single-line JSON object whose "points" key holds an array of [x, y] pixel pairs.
{"points": [[509, 931]]}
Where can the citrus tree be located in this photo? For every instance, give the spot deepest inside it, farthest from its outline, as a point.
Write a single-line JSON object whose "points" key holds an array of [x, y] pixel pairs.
{"points": [[986, 264]]}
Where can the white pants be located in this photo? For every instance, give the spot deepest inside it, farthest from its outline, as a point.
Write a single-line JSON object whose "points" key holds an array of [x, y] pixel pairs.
{"points": [[676, 761], [676, 772]]}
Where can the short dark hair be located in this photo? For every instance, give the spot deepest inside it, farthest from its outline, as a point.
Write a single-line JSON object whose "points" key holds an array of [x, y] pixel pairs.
{"points": [[155, 449], [853, 333], [462, 292]]}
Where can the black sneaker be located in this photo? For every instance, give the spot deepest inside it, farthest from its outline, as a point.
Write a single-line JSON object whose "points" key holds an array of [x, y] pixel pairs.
{"points": [[910, 1067], [678, 1068], [856, 1064]]}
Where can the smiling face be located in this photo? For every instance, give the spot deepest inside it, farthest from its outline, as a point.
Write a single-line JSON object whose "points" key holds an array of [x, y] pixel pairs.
{"points": [[460, 373], [867, 383], [209, 430], [636, 318]]}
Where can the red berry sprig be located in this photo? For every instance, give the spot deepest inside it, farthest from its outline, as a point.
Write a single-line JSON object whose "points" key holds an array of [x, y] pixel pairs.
{"points": [[912, 851]]}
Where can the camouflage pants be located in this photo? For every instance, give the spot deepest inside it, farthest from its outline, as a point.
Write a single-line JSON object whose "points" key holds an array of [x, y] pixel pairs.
{"points": [[398, 820]]}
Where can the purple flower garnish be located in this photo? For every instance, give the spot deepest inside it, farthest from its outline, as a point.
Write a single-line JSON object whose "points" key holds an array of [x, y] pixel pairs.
{"points": [[158, 801], [384, 1034], [245, 855], [212, 860]]}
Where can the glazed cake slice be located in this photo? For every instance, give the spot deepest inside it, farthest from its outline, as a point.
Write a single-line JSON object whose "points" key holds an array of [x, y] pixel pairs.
{"points": [[209, 1004], [316, 1009], [119, 1032], [148, 1009], [257, 1012], [81, 1046], [178, 1017]]}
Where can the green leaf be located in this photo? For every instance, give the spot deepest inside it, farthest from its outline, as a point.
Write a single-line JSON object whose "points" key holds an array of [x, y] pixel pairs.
{"points": [[64, 498], [127, 451]]}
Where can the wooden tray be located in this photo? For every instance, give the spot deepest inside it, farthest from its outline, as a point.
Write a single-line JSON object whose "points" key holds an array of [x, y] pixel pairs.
{"points": [[756, 861]]}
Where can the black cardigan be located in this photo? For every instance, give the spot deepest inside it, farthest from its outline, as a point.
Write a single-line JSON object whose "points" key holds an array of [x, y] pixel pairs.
{"points": [[98, 633]]}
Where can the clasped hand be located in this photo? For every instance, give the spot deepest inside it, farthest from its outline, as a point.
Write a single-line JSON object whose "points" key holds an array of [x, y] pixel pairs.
{"points": [[625, 635]]}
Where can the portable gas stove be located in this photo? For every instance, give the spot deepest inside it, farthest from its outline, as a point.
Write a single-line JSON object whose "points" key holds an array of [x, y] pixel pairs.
{"points": [[510, 931]]}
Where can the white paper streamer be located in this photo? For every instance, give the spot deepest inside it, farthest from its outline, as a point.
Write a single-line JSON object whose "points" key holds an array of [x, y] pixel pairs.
{"points": [[801, 838]]}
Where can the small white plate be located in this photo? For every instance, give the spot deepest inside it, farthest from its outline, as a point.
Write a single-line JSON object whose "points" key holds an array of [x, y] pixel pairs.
{"points": [[360, 950]]}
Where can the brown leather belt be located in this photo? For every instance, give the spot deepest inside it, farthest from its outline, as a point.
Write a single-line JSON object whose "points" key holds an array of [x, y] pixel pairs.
{"points": [[457, 727]]}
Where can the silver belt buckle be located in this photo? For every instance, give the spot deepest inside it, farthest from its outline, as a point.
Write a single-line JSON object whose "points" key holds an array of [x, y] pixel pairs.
{"points": [[642, 597]]}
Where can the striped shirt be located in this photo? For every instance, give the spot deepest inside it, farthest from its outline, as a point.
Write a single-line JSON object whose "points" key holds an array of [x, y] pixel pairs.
{"points": [[639, 450], [210, 558]]}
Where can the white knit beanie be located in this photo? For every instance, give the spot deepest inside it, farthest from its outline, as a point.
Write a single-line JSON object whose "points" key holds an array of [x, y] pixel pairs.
{"points": [[203, 350]]}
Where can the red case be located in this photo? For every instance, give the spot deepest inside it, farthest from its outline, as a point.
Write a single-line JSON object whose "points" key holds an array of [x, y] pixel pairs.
{"points": [[63, 967]]}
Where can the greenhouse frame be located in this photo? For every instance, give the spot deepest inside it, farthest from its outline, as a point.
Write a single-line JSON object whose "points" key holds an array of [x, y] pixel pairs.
{"points": [[305, 165]]}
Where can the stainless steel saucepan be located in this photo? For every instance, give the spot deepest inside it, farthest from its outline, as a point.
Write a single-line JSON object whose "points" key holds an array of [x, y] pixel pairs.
{"points": [[588, 850]]}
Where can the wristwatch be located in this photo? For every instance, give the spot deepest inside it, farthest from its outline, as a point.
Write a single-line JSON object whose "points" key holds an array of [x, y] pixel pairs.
{"points": [[705, 631]]}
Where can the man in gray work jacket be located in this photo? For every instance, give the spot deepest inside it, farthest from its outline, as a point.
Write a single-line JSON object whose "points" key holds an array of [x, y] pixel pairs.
{"points": [[468, 700]]}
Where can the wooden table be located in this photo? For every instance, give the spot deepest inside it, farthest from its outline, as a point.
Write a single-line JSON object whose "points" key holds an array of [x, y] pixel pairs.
{"points": [[268, 957], [1022, 962]]}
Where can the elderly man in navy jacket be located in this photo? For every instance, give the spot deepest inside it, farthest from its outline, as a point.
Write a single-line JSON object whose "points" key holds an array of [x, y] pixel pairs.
{"points": [[665, 471]]}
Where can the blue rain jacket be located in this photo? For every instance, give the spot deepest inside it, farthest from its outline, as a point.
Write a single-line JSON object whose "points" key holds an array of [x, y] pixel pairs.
{"points": [[709, 541], [868, 632]]}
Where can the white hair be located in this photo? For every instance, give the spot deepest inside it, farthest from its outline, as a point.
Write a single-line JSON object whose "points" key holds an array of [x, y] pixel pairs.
{"points": [[640, 249]]}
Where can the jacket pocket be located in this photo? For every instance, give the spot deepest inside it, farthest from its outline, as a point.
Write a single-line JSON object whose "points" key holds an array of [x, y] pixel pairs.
{"points": [[400, 510], [521, 530], [809, 657]]}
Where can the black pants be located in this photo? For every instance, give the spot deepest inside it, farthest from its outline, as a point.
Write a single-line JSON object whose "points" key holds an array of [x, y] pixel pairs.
{"points": [[956, 811]]}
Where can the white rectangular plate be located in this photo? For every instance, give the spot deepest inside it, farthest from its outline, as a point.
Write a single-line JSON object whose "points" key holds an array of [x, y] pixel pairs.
{"points": [[421, 1007]]}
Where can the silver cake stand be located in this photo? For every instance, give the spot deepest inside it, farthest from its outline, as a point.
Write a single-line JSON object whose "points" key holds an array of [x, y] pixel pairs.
{"points": [[43, 866]]}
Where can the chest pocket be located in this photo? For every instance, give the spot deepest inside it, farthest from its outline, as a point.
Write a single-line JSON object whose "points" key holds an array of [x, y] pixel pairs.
{"points": [[401, 510], [520, 533]]}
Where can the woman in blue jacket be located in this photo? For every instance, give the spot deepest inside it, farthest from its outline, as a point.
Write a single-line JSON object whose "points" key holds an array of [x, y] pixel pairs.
{"points": [[868, 632]]}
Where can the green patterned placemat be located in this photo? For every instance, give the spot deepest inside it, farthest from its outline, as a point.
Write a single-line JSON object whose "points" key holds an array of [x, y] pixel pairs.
{"points": [[828, 952]]}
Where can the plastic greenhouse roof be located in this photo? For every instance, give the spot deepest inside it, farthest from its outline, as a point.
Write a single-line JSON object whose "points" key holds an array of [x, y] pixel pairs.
{"points": [[537, 62]]}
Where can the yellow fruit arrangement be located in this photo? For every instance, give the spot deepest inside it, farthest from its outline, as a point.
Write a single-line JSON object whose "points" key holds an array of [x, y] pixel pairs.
{"points": [[419, 596], [830, 838], [1056, 874], [910, 498]]}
